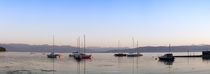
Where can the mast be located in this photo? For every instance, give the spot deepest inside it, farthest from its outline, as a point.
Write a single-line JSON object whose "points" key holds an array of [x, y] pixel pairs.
{"points": [[84, 60], [169, 48], [53, 44], [119, 46], [53, 53], [84, 43], [137, 46], [78, 44], [133, 43]]}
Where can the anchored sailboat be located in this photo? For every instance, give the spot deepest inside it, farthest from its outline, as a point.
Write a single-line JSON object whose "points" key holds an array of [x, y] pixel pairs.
{"points": [[80, 56], [133, 54], [78, 47], [119, 54], [85, 56], [52, 54], [167, 57]]}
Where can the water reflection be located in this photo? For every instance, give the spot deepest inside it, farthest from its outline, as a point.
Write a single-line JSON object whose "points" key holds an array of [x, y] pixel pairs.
{"points": [[135, 64], [103, 63], [166, 62], [20, 72], [206, 58], [80, 67], [169, 64]]}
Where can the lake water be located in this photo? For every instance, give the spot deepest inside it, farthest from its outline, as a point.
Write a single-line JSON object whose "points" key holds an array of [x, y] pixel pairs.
{"points": [[101, 63]]}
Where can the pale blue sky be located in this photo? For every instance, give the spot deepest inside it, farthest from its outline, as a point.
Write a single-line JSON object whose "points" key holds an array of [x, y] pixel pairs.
{"points": [[152, 22]]}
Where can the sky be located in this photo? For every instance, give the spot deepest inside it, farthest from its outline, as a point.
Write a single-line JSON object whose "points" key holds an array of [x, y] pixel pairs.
{"points": [[104, 22]]}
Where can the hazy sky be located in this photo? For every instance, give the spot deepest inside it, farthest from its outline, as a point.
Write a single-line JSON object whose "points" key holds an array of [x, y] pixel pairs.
{"points": [[104, 22]]}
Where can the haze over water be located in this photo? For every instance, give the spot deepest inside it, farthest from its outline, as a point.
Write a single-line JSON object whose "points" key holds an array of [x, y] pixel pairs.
{"points": [[101, 63]]}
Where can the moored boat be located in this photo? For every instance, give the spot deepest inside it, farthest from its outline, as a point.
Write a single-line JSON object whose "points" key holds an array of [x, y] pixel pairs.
{"points": [[167, 57], [85, 56], [52, 54], [135, 54], [119, 54], [73, 53], [132, 55], [80, 56]]}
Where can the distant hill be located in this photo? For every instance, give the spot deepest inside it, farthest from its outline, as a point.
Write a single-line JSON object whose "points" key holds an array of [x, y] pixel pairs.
{"points": [[48, 48], [37, 48], [191, 48]]}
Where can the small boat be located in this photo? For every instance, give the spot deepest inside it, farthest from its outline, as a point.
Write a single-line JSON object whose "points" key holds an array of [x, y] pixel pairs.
{"points": [[167, 57], [85, 56], [73, 53], [119, 54], [52, 54], [78, 47], [134, 54], [79, 56]]}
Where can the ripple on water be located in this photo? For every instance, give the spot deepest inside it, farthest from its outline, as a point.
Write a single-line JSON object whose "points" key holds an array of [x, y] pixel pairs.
{"points": [[19, 72], [48, 70]]}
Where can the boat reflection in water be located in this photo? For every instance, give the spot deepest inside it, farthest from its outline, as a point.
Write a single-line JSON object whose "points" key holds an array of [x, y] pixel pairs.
{"points": [[166, 62], [134, 65], [81, 68], [169, 64]]}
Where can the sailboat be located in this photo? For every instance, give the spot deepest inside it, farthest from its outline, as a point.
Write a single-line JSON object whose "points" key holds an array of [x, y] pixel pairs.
{"points": [[85, 56], [52, 54], [80, 56], [78, 51], [167, 57], [119, 54], [133, 54]]}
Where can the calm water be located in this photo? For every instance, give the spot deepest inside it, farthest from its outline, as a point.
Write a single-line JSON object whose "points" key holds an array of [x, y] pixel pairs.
{"points": [[101, 63]]}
